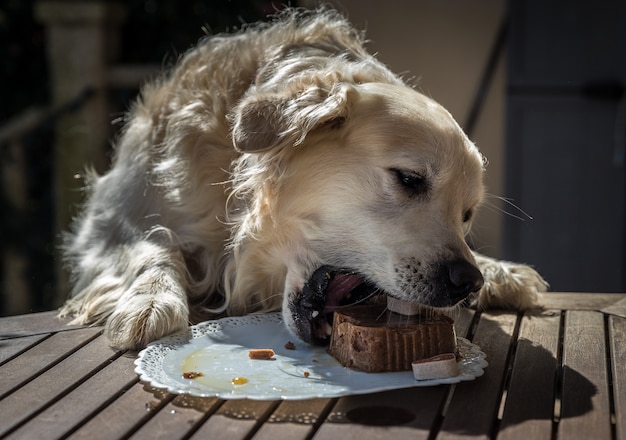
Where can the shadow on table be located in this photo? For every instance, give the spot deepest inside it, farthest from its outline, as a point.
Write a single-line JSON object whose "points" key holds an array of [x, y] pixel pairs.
{"points": [[425, 408], [475, 406]]}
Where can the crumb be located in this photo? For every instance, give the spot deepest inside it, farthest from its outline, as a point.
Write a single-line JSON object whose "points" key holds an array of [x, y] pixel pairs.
{"points": [[290, 346], [192, 374], [261, 354], [307, 374]]}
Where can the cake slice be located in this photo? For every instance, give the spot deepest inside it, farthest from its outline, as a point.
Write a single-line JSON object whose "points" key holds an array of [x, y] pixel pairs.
{"points": [[373, 339]]}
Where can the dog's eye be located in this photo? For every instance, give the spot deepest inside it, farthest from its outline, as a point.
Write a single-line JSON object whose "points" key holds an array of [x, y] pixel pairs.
{"points": [[467, 215], [413, 182]]}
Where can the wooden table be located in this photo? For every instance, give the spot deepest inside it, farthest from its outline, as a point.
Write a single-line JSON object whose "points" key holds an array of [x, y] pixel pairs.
{"points": [[558, 375]]}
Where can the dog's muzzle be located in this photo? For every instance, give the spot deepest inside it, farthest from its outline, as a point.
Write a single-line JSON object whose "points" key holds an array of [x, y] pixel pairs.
{"points": [[330, 288]]}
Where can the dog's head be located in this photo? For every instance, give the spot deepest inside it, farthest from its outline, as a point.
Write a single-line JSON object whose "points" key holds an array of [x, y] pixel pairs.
{"points": [[372, 190]]}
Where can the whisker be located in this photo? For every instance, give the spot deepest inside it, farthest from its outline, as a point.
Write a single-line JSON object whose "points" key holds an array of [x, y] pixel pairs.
{"points": [[524, 215], [482, 249], [374, 292], [265, 300]]}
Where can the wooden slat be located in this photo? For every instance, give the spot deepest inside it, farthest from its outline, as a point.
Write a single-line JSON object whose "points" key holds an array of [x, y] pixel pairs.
{"points": [[475, 404], [34, 323], [529, 406], [78, 405], [129, 411], [617, 333], [236, 419], [12, 347], [40, 357], [389, 414], [34, 396], [580, 301], [294, 419], [178, 417], [618, 308], [585, 410]]}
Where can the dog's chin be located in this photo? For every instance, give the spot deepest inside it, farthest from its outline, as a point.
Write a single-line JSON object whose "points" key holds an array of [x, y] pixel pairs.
{"points": [[328, 289]]}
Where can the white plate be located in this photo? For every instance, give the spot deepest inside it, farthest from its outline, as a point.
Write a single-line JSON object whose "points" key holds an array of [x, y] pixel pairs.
{"points": [[219, 350]]}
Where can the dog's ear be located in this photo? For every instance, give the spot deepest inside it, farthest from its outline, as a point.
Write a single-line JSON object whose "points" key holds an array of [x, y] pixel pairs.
{"points": [[262, 122]]}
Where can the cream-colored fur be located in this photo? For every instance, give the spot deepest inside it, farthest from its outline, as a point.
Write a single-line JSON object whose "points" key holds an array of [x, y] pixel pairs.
{"points": [[262, 156]]}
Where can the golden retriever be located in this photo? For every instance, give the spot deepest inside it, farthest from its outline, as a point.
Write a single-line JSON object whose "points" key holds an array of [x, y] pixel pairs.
{"points": [[282, 168]]}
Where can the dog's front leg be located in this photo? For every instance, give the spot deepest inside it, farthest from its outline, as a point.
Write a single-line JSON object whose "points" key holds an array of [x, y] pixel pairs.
{"points": [[508, 285], [154, 305]]}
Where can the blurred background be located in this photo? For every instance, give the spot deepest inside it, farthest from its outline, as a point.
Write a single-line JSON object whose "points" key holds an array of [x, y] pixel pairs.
{"points": [[539, 87]]}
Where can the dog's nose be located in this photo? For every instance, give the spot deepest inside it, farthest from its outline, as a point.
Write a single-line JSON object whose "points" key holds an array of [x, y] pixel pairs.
{"points": [[464, 278]]}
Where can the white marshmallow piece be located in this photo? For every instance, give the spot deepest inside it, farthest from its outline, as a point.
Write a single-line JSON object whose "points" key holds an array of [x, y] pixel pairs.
{"points": [[403, 307], [436, 367]]}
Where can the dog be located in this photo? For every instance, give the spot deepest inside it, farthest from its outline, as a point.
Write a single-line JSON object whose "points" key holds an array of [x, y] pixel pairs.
{"points": [[282, 168]]}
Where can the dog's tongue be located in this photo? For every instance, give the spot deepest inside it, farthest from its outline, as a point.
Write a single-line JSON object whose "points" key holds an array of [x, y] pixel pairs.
{"points": [[340, 286], [328, 289]]}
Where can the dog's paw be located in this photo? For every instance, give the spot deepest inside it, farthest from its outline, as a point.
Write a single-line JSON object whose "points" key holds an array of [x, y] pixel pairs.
{"points": [[145, 316], [510, 286]]}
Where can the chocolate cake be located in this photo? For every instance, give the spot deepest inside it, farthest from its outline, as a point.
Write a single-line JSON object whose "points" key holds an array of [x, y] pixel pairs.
{"points": [[373, 339]]}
